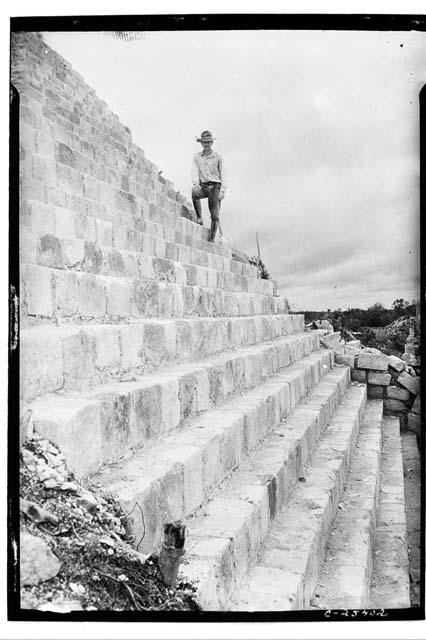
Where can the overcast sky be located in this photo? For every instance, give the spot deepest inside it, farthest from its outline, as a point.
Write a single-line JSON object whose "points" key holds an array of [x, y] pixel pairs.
{"points": [[319, 133]]}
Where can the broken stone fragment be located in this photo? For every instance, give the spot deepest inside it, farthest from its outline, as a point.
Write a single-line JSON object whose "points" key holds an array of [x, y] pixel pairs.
{"points": [[88, 501], [37, 562], [36, 513], [396, 363], [69, 486], [50, 483], [61, 607], [409, 382]]}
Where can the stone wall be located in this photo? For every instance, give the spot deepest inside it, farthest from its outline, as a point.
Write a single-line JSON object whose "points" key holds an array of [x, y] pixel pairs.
{"points": [[388, 378]]}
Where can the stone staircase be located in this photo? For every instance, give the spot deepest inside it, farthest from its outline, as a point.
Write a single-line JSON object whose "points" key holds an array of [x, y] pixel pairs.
{"points": [[170, 374]]}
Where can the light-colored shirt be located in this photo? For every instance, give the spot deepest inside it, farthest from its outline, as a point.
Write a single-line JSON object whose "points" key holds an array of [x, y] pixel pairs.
{"points": [[208, 169]]}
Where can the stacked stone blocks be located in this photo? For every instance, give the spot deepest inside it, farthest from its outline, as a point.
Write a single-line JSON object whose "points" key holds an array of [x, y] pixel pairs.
{"points": [[161, 365]]}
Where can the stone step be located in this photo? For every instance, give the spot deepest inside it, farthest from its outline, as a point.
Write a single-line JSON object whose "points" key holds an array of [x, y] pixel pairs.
{"points": [[78, 295], [134, 234], [61, 357], [140, 231], [293, 550], [130, 413], [345, 578], [49, 250], [390, 587], [171, 479], [225, 537]]}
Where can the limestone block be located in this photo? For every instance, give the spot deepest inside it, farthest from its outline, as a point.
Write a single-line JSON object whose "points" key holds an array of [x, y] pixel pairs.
{"points": [[131, 345], [107, 345], [144, 298], [44, 169], [41, 362], [74, 251], [50, 252], [372, 361], [91, 293], [79, 354], [396, 363], [375, 391], [416, 408], [394, 405], [413, 422], [341, 358], [409, 382], [191, 460], [69, 179], [91, 187], [65, 223], [85, 227], [118, 297], [115, 424], [104, 232], [146, 413], [378, 377], [397, 393], [202, 389], [145, 267], [64, 154], [27, 246], [170, 406], [119, 234], [65, 292], [172, 494], [165, 300], [41, 216], [66, 426], [160, 247], [37, 290], [114, 264], [30, 189], [37, 562]]}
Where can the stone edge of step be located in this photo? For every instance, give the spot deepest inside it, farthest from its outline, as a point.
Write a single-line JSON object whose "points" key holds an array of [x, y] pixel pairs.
{"points": [[287, 466], [345, 578], [298, 532], [391, 581]]}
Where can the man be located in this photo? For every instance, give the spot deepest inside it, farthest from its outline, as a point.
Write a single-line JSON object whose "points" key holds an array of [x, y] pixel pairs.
{"points": [[208, 181]]}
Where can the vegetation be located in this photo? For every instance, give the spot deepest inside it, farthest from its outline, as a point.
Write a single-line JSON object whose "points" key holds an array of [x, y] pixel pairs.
{"points": [[385, 329]]}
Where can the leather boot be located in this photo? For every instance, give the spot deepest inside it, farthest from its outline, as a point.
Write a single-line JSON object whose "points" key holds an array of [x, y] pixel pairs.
{"points": [[213, 229]]}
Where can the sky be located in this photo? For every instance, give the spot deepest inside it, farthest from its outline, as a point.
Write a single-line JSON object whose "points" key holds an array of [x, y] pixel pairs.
{"points": [[319, 134]]}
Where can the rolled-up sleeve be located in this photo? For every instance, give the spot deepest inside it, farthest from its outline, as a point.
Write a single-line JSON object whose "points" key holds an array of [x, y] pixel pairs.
{"points": [[195, 175]]}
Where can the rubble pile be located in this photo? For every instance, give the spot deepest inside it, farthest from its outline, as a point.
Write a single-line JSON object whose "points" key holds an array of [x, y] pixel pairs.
{"points": [[389, 378], [74, 550]]}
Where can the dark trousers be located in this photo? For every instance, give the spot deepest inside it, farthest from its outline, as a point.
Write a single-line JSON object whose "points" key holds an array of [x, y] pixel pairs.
{"points": [[208, 190]]}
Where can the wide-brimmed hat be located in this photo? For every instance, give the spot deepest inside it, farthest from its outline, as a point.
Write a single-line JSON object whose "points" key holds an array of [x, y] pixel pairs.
{"points": [[206, 136]]}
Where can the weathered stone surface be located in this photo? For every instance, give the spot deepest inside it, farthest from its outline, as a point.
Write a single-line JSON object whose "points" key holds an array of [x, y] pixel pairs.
{"points": [[416, 408], [378, 377], [375, 391], [394, 405], [413, 422], [37, 562], [397, 393], [409, 382], [372, 361], [396, 363], [359, 375], [341, 358], [37, 290], [41, 362]]}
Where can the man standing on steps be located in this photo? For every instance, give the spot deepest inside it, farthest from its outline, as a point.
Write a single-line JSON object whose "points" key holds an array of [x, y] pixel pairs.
{"points": [[208, 181]]}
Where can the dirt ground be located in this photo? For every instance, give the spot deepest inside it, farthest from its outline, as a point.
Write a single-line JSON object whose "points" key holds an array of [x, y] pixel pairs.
{"points": [[411, 460]]}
